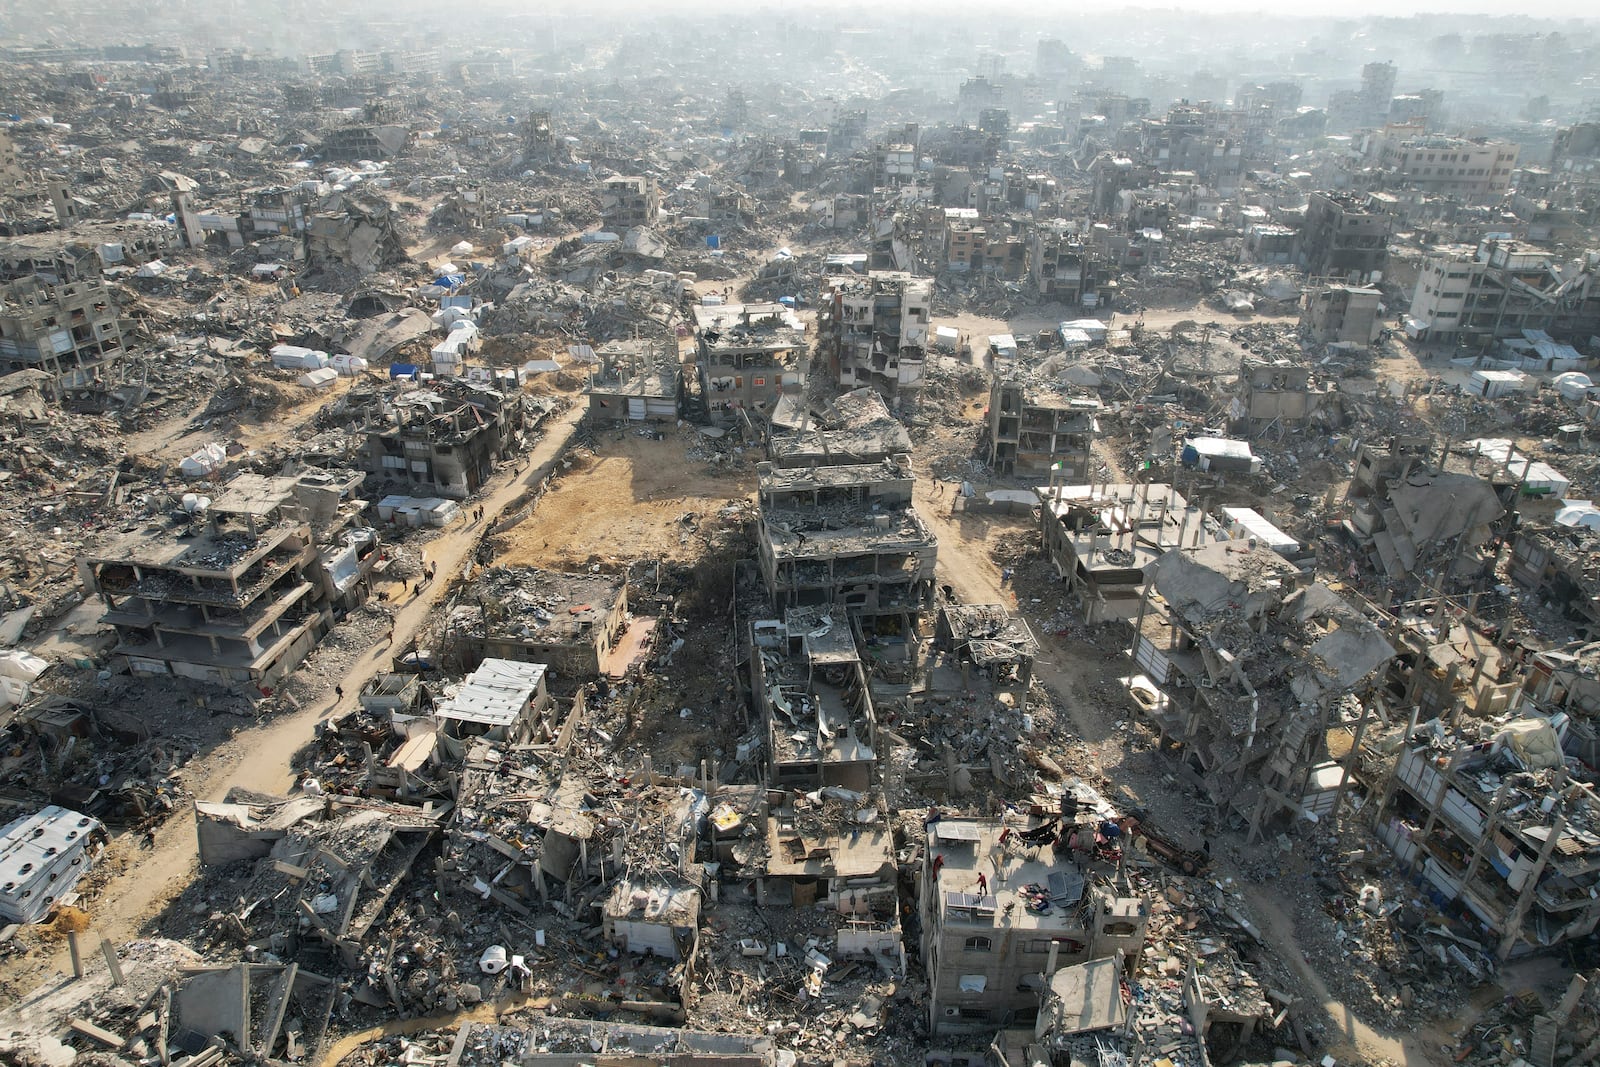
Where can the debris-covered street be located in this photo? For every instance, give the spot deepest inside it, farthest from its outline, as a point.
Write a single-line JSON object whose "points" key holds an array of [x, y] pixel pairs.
{"points": [[1041, 539]]}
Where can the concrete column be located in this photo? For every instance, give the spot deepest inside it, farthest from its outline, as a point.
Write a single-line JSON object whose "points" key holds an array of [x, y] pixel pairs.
{"points": [[76, 949], [109, 950]]}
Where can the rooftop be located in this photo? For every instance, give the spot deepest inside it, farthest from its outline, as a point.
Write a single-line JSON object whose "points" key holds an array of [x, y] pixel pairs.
{"points": [[495, 694]]}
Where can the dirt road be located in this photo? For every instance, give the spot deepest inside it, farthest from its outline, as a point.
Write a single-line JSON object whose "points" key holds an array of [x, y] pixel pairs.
{"points": [[258, 757]]}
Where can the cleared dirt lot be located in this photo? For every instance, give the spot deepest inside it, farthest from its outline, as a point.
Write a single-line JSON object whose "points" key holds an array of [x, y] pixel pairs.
{"points": [[626, 500]]}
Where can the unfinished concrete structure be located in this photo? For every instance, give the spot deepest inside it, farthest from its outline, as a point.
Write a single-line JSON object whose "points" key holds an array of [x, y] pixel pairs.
{"points": [[875, 332], [1041, 428], [1103, 539], [845, 535], [1211, 643], [1486, 811], [444, 440], [239, 592], [1004, 902]]}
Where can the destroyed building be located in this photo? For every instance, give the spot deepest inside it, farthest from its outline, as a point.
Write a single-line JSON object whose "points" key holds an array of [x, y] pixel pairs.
{"points": [[1489, 814], [1041, 428], [500, 701], [632, 384], [653, 918], [1004, 902], [68, 329], [83, 252], [1418, 520], [1470, 169], [627, 201], [572, 622], [1342, 237], [816, 708], [847, 536], [1243, 665], [1337, 314], [1502, 288], [358, 141], [875, 332], [1062, 267], [235, 590], [989, 639], [444, 440], [1278, 393], [360, 234], [746, 358], [1559, 565], [1102, 540], [855, 427]]}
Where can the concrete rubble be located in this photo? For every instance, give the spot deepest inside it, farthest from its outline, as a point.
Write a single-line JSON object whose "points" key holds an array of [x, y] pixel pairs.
{"points": [[548, 540]]}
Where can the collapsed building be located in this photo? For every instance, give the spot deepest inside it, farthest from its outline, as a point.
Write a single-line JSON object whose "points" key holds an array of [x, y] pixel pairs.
{"points": [[572, 622], [1486, 811], [1278, 394], [1422, 519], [855, 427], [236, 590], [1243, 666]]}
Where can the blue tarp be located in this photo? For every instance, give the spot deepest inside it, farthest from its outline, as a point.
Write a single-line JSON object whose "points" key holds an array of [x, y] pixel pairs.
{"points": [[402, 370], [713, 241], [449, 281]]}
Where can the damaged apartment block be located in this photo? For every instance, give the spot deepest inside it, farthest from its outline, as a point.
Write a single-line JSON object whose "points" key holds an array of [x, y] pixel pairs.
{"points": [[746, 356], [845, 536], [236, 590], [63, 324], [1005, 902], [1244, 666], [1487, 812], [875, 333]]}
